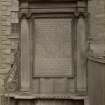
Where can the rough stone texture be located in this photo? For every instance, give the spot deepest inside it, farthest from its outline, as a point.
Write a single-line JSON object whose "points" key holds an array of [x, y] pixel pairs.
{"points": [[6, 57], [97, 26], [4, 42]]}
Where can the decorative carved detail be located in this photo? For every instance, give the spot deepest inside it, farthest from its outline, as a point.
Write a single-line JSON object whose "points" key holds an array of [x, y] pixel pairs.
{"points": [[25, 15], [11, 81]]}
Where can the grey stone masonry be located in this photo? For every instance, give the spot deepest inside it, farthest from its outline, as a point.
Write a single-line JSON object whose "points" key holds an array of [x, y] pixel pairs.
{"points": [[97, 27], [6, 57]]}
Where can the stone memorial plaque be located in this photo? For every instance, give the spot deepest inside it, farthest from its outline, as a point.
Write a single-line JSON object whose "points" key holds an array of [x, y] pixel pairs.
{"points": [[52, 47]]}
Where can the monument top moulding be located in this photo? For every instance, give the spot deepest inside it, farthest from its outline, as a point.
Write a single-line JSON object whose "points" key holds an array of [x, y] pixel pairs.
{"points": [[53, 6]]}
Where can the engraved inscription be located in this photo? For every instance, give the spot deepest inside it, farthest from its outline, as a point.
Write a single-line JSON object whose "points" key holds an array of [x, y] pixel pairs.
{"points": [[52, 47]]}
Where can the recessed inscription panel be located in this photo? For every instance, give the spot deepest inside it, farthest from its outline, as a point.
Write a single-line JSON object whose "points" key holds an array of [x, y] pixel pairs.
{"points": [[52, 47]]}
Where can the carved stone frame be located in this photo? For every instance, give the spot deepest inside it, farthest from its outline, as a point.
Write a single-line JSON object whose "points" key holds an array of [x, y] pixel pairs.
{"points": [[52, 16], [26, 20]]}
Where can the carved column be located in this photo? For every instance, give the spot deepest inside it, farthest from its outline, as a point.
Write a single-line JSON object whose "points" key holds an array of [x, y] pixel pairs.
{"points": [[25, 54], [80, 34], [87, 43], [82, 50], [74, 45], [81, 57]]}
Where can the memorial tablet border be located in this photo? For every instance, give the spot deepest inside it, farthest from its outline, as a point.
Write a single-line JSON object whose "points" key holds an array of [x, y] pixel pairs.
{"points": [[29, 15], [51, 16]]}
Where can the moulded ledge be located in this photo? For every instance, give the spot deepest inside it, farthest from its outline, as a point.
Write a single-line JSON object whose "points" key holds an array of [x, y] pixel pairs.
{"points": [[21, 95]]}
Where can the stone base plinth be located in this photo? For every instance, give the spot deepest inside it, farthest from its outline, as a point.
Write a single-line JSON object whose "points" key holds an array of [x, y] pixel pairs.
{"points": [[44, 99]]}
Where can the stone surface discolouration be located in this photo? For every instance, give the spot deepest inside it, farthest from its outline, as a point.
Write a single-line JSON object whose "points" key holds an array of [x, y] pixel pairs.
{"points": [[6, 57], [9, 40], [97, 26]]}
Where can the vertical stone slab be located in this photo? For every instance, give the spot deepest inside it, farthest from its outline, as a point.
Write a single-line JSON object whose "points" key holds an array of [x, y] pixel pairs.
{"points": [[71, 86], [25, 55]]}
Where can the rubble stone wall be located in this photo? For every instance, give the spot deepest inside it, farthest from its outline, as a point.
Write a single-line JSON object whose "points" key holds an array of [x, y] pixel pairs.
{"points": [[8, 12]]}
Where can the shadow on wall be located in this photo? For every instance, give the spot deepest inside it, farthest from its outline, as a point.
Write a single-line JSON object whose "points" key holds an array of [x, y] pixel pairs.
{"points": [[96, 80]]}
